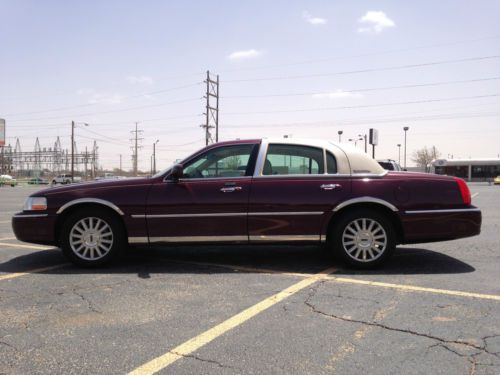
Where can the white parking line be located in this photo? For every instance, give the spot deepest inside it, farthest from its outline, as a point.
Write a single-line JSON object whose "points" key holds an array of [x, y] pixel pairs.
{"points": [[34, 247], [29, 272]]}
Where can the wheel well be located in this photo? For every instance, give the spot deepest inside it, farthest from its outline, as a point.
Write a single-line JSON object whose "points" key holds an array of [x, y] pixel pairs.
{"points": [[387, 212], [72, 209]]}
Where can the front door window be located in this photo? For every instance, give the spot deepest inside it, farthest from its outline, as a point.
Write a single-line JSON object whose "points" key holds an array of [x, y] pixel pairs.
{"points": [[221, 162]]}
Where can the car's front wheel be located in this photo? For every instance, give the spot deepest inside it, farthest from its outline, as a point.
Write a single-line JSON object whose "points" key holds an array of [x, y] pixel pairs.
{"points": [[92, 237], [363, 238]]}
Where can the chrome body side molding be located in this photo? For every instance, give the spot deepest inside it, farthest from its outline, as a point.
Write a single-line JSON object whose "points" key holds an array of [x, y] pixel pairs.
{"points": [[365, 200], [199, 239], [286, 238], [90, 200], [445, 211], [31, 215], [228, 214], [286, 213], [138, 240]]}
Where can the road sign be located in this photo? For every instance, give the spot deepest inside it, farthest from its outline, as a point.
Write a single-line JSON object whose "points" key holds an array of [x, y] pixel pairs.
{"points": [[374, 137]]}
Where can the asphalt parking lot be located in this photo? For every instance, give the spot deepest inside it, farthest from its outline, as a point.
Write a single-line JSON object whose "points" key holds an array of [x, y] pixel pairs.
{"points": [[433, 309]]}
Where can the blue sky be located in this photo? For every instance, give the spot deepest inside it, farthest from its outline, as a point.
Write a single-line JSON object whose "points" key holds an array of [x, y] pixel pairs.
{"points": [[116, 62]]}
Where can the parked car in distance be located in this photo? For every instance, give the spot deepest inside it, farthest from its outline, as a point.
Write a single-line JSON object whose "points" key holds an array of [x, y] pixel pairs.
{"points": [[496, 181], [7, 180], [255, 191], [38, 181], [64, 179], [390, 165]]}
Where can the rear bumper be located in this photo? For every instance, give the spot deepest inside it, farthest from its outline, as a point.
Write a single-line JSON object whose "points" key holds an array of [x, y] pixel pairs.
{"points": [[34, 228], [440, 225]]}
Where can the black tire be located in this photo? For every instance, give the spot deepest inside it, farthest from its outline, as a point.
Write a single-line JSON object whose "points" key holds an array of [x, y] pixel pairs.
{"points": [[89, 216], [375, 245]]}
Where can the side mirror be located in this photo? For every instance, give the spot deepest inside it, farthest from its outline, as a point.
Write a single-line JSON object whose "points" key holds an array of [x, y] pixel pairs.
{"points": [[177, 172]]}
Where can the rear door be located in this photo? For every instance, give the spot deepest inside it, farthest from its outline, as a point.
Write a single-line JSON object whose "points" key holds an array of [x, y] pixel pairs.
{"points": [[293, 193]]}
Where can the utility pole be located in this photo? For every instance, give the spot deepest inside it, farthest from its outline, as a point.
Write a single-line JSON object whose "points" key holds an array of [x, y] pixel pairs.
{"points": [[72, 151], [211, 111], [136, 147], [154, 156]]}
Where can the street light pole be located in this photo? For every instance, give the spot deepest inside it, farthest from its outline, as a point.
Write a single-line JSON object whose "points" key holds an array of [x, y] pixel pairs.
{"points": [[120, 163], [399, 153], [406, 128], [154, 156], [340, 135]]}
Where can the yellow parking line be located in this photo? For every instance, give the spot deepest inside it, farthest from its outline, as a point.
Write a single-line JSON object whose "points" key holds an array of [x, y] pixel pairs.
{"points": [[409, 288], [413, 288], [7, 238], [206, 337], [29, 272], [5, 221], [474, 195], [26, 246]]}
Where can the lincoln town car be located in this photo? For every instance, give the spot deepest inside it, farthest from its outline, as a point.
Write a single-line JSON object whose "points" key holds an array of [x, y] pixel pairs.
{"points": [[257, 191]]}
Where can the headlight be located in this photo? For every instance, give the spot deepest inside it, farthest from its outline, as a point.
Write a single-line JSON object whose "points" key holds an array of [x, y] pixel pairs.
{"points": [[35, 204]]}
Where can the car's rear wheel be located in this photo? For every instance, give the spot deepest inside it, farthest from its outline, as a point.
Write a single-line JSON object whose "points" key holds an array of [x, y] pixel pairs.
{"points": [[92, 237], [363, 238]]}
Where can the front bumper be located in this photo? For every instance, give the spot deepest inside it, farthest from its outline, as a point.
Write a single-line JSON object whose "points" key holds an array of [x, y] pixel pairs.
{"points": [[34, 228], [440, 225]]}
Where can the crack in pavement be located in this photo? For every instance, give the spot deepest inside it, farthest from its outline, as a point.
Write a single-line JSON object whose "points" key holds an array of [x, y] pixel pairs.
{"points": [[193, 356], [89, 303], [441, 341]]}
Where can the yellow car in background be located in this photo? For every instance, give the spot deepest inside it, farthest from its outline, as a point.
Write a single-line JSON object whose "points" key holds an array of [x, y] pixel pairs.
{"points": [[496, 181]]}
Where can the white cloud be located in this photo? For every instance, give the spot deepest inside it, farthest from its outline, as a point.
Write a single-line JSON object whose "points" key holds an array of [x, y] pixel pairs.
{"points": [[375, 22], [96, 97], [313, 20], [139, 79], [246, 54], [337, 94]]}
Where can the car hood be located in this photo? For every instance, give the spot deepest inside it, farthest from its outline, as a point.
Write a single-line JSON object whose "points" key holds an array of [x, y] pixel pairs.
{"points": [[92, 185]]}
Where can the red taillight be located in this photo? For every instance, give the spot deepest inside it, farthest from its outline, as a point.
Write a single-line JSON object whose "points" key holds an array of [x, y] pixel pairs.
{"points": [[464, 191]]}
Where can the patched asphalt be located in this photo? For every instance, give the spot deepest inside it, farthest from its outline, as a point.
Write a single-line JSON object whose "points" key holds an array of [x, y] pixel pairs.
{"points": [[69, 320]]}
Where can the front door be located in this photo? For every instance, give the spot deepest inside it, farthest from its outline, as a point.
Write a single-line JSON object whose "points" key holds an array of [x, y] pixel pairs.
{"points": [[209, 203], [294, 193]]}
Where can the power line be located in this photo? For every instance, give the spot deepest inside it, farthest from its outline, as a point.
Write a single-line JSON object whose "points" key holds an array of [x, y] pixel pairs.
{"points": [[441, 83], [111, 111], [328, 59], [363, 106], [97, 103], [398, 67], [369, 121]]}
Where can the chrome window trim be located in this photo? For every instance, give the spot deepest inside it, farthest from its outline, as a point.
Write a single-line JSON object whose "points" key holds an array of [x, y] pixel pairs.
{"points": [[90, 200], [290, 237], [30, 215], [444, 211], [199, 239], [365, 200], [138, 240]]}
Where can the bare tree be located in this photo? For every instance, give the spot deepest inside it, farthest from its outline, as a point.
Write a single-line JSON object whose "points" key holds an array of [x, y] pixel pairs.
{"points": [[425, 156]]}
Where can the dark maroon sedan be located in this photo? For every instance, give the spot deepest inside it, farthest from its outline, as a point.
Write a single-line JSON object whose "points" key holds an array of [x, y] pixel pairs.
{"points": [[255, 191]]}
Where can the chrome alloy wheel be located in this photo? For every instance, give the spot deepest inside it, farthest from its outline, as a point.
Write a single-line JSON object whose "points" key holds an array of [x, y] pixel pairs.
{"points": [[364, 240], [91, 238]]}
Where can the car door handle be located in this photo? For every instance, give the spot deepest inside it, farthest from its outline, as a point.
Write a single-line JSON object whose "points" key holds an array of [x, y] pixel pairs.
{"points": [[231, 189], [330, 186]]}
